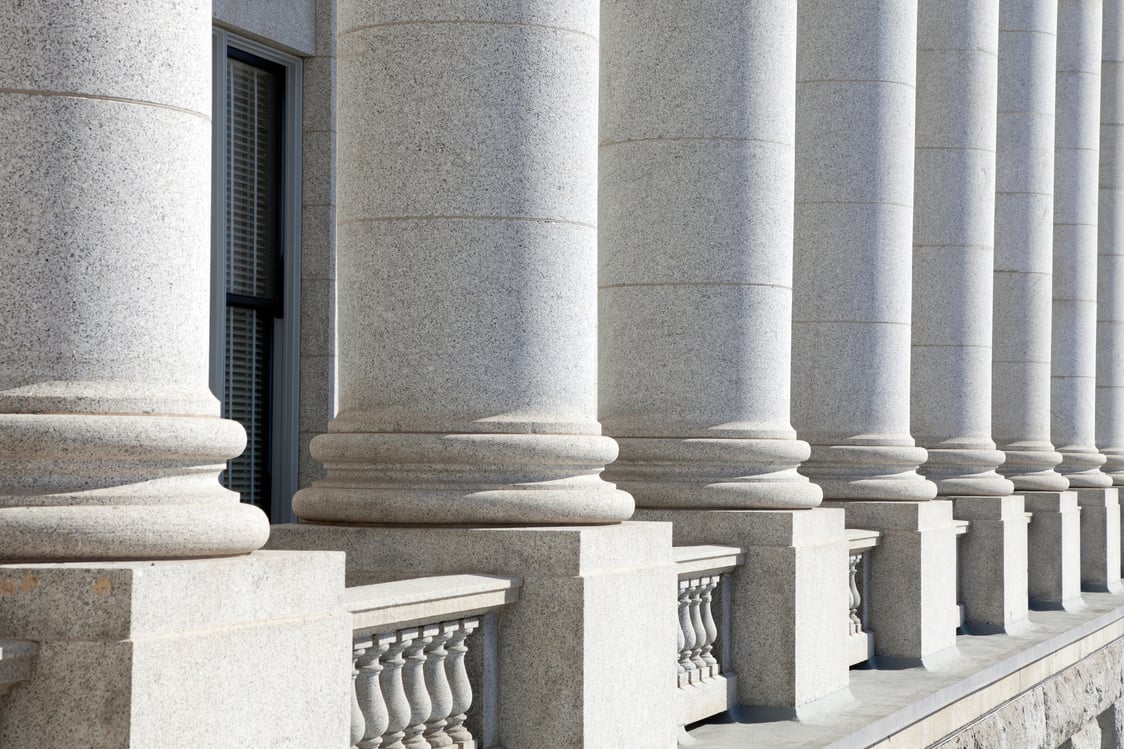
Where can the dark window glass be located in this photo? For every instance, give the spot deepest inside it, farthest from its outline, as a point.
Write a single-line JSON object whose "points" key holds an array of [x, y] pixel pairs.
{"points": [[253, 137]]}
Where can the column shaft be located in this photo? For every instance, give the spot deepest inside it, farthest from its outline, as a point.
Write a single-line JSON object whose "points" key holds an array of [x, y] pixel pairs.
{"points": [[110, 440], [467, 248], [1024, 204], [697, 128], [1110, 248], [953, 226], [1073, 367], [854, 191]]}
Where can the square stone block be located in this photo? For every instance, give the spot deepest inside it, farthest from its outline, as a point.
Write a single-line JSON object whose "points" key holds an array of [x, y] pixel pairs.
{"points": [[1054, 550], [1100, 539], [235, 652], [992, 563]]}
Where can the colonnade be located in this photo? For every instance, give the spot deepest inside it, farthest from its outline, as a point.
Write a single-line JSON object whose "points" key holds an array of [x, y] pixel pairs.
{"points": [[806, 267]]}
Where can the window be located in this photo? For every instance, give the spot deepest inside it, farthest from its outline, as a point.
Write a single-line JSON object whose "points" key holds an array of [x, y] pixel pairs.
{"points": [[254, 248]]}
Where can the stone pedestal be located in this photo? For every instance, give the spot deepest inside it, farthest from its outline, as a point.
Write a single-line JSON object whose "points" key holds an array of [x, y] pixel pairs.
{"points": [[1054, 550], [992, 563], [912, 597], [587, 655], [789, 602], [1100, 539], [236, 652]]}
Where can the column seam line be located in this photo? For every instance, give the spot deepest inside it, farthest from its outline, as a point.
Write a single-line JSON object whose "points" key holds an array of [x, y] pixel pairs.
{"points": [[463, 22], [954, 148], [695, 283], [1051, 34], [853, 202], [955, 246], [989, 53], [607, 143], [1024, 192], [535, 219], [853, 322], [1019, 361], [1026, 272], [951, 345], [857, 80], [1062, 223], [101, 97]]}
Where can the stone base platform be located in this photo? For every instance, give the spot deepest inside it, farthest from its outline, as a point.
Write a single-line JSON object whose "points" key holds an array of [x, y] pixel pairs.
{"points": [[992, 563], [222, 653], [1054, 556], [789, 600], [587, 657], [1100, 539]]}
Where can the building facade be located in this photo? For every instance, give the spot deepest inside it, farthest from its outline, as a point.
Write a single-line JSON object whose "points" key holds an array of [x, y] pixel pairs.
{"points": [[565, 373]]}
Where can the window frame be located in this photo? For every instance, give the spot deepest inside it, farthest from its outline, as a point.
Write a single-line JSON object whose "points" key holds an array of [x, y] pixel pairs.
{"points": [[284, 421]]}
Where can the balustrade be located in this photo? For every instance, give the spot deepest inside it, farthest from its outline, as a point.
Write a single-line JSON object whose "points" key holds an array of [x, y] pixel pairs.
{"points": [[860, 643], [961, 527], [706, 685], [412, 685]]}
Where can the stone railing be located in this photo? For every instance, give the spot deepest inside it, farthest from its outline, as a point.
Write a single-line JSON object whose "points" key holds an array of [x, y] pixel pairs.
{"points": [[961, 527], [413, 686], [706, 686], [860, 641], [16, 657]]}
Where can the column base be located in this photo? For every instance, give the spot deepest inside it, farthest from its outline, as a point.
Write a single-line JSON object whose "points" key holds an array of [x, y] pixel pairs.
{"points": [[913, 610], [589, 652], [992, 564], [1054, 556], [249, 651], [789, 607], [1100, 539]]}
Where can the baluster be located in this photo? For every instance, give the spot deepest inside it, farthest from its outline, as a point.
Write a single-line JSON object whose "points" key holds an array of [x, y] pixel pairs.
{"points": [[856, 624], [440, 693], [709, 625], [394, 691], [701, 668], [358, 723], [459, 682], [413, 679], [369, 691], [686, 633]]}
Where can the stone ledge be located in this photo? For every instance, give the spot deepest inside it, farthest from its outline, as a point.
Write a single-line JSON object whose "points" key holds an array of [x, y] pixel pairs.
{"points": [[918, 708], [428, 599]]}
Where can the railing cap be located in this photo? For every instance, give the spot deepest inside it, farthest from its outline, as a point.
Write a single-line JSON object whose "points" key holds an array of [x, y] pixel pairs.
{"points": [[692, 561], [861, 539], [426, 600]]}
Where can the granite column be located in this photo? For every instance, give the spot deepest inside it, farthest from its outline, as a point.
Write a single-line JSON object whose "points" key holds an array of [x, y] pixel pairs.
{"points": [[111, 443], [953, 227], [1073, 367], [855, 98], [696, 200], [110, 439], [467, 319]]}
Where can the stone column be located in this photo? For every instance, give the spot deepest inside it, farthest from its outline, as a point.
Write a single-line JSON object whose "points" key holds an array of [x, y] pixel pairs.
{"points": [[1110, 249], [467, 264], [697, 132], [1073, 368], [856, 65], [1020, 379], [110, 440], [1024, 241], [953, 227], [467, 330]]}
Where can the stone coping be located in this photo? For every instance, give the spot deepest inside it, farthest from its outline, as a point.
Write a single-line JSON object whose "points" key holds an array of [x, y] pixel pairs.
{"points": [[426, 600], [693, 561], [913, 707], [860, 540], [961, 526]]}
